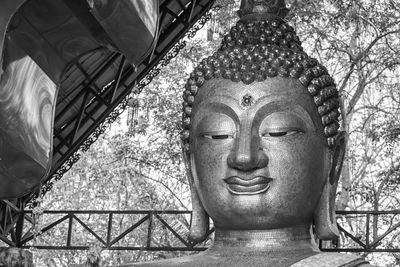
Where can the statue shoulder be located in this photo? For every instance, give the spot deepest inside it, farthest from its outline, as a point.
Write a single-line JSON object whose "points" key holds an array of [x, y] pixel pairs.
{"points": [[332, 260], [203, 260]]}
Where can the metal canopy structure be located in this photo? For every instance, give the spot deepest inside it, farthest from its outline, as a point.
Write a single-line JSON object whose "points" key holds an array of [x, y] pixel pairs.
{"points": [[52, 53], [97, 87], [96, 75]]}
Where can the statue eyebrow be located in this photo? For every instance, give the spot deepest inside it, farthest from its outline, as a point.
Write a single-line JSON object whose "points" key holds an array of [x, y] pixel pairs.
{"points": [[220, 107], [282, 106], [227, 100]]}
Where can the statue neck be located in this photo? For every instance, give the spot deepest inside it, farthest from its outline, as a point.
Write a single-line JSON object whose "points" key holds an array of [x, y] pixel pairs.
{"points": [[271, 240]]}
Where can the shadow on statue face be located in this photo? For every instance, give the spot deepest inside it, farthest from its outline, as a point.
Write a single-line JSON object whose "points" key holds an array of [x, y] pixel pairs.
{"points": [[259, 157]]}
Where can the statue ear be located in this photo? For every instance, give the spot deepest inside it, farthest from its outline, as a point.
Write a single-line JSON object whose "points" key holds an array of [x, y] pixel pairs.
{"points": [[199, 222], [338, 157], [325, 216]]}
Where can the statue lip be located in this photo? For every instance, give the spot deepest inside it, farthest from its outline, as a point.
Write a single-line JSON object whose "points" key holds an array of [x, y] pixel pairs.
{"points": [[253, 186]]}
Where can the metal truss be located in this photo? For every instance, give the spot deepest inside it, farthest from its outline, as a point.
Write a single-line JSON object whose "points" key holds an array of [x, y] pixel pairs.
{"points": [[12, 219], [153, 230]]}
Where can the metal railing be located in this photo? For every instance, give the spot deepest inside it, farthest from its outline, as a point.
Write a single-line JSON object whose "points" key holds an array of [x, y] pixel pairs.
{"points": [[112, 230], [156, 230], [366, 231]]}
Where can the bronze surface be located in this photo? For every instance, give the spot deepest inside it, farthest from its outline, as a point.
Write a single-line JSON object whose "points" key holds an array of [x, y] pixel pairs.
{"points": [[279, 138]]}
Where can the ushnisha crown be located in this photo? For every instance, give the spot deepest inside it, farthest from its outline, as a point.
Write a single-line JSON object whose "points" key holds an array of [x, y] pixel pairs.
{"points": [[262, 46]]}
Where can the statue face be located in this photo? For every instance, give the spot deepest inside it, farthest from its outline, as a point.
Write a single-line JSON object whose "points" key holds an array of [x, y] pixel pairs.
{"points": [[259, 157]]}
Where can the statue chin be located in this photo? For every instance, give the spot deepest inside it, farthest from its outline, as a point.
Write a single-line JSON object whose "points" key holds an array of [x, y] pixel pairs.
{"points": [[262, 147]]}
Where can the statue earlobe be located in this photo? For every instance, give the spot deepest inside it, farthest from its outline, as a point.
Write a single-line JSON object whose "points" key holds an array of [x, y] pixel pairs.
{"points": [[325, 217], [199, 222]]}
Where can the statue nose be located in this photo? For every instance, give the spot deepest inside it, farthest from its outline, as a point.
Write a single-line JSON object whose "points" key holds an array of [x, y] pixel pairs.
{"points": [[247, 154]]}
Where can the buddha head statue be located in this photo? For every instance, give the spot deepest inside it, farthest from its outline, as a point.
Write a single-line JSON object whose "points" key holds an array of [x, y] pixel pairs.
{"points": [[261, 137]]}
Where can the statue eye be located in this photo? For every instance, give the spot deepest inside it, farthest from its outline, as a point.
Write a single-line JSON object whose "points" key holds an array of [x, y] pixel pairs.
{"points": [[218, 136], [281, 133], [283, 124]]}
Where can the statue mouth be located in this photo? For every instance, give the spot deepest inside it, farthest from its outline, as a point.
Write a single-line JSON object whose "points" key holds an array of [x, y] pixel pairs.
{"points": [[256, 185]]}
